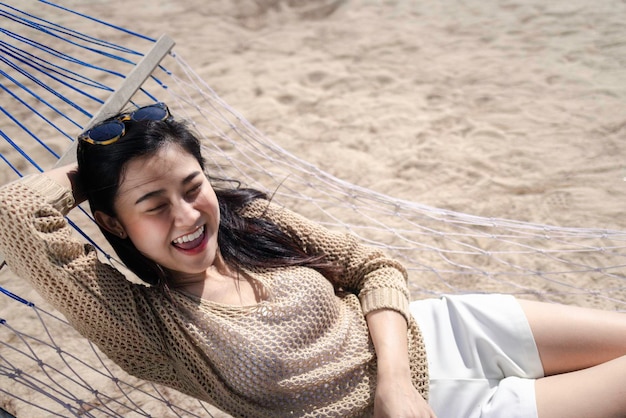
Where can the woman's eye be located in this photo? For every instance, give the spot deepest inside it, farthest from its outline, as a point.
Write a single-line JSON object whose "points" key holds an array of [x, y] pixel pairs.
{"points": [[157, 208], [194, 190]]}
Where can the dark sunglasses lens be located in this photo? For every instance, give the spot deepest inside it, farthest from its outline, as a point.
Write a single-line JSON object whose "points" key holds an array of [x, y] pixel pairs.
{"points": [[150, 113], [106, 131]]}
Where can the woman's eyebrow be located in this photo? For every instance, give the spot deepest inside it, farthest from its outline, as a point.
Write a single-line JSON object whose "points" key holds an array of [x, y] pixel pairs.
{"points": [[149, 195], [158, 192], [191, 176]]}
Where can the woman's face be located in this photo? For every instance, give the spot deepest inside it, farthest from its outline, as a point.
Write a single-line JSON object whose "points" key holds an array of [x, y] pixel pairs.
{"points": [[169, 210]]}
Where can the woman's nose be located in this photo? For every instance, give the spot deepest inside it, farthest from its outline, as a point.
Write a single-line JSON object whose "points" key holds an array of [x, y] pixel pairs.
{"points": [[186, 214]]}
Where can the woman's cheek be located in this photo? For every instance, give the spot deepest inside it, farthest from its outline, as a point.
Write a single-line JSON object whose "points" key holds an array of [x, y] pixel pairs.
{"points": [[147, 235]]}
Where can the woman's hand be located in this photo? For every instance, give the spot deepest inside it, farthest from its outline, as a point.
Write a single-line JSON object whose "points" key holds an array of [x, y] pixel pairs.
{"points": [[396, 397]]}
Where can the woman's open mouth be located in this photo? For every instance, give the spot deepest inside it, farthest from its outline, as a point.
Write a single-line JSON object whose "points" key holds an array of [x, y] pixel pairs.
{"points": [[193, 242]]}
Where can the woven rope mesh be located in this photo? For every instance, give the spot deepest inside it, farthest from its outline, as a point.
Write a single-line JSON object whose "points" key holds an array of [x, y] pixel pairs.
{"points": [[55, 76]]}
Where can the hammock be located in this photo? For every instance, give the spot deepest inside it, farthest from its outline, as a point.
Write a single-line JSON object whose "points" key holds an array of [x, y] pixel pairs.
{"points": [[55, 81]]}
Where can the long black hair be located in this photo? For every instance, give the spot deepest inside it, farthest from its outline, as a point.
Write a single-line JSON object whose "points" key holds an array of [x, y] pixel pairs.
{"points": [[244, 242]]}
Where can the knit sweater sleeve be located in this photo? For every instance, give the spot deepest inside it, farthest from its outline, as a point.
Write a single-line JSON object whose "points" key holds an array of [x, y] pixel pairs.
{"points": [[38, 245], [379, 281]]}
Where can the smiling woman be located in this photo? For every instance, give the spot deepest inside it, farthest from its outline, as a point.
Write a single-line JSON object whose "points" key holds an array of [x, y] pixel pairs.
{"points": [[264, 313], [227, 267]]}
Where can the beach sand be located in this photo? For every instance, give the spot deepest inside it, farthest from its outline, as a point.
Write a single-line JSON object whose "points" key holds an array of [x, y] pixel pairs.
{"points": [[503, 108], [500, 108]]}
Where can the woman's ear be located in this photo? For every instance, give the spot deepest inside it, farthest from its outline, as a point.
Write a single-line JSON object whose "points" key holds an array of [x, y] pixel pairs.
{"points": [[111, 224]]}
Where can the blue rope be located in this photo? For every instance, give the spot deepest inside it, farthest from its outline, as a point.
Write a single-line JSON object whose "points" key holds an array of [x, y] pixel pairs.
{"points": [[150, 96], [35, 111], [9, 163], [50, 73], [23, 87], [16, 297], [102, 22], [44, 29], [21, 125], [71, 59], [20, 150], [69, 32], [56, 53], [63, 56], [87, 237], [65, 72]]}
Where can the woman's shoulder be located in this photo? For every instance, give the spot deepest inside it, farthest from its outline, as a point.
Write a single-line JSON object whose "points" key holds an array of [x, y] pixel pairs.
{"points": [[258, 208]]}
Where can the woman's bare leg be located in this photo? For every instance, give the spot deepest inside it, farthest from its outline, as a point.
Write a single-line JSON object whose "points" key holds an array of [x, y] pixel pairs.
{"points": [[596, 392], [570, 338], [583, 352]]}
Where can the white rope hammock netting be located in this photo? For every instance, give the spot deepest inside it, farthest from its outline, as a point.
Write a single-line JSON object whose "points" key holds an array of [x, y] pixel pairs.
{"points": [[55, 77]]}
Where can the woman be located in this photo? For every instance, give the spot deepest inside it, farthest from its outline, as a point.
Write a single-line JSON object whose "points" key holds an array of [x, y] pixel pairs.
{"points": [[264, 313]]}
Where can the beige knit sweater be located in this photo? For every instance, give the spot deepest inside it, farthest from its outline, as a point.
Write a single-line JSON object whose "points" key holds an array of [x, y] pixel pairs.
{"points": [[304, 351]]}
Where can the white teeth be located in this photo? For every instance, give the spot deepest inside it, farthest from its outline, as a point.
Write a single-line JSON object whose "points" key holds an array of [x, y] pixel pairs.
{"points": [[190, 237]]}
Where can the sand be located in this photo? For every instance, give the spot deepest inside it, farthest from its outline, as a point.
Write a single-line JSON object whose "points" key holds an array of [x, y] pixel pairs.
{"points": [[511, 109], [497, 108]]}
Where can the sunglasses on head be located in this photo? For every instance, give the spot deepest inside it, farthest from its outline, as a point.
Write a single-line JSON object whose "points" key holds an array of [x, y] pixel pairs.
{"points": [[110, 131]]}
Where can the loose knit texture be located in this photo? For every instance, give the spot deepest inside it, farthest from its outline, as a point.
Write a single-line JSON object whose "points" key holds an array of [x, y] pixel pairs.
{"points": [[303, 351]]}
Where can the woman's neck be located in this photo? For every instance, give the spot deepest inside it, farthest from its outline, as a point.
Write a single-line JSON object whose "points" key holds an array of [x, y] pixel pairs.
{"points": [[220, 283]]}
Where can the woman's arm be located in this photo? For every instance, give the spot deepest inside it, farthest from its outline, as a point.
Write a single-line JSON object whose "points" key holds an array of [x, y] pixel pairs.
{"points": [[381, 285], [40, 247], [395, 394]]}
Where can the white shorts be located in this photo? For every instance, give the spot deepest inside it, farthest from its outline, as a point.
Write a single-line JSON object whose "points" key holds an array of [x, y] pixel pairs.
{"points": [[482, 357]]}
